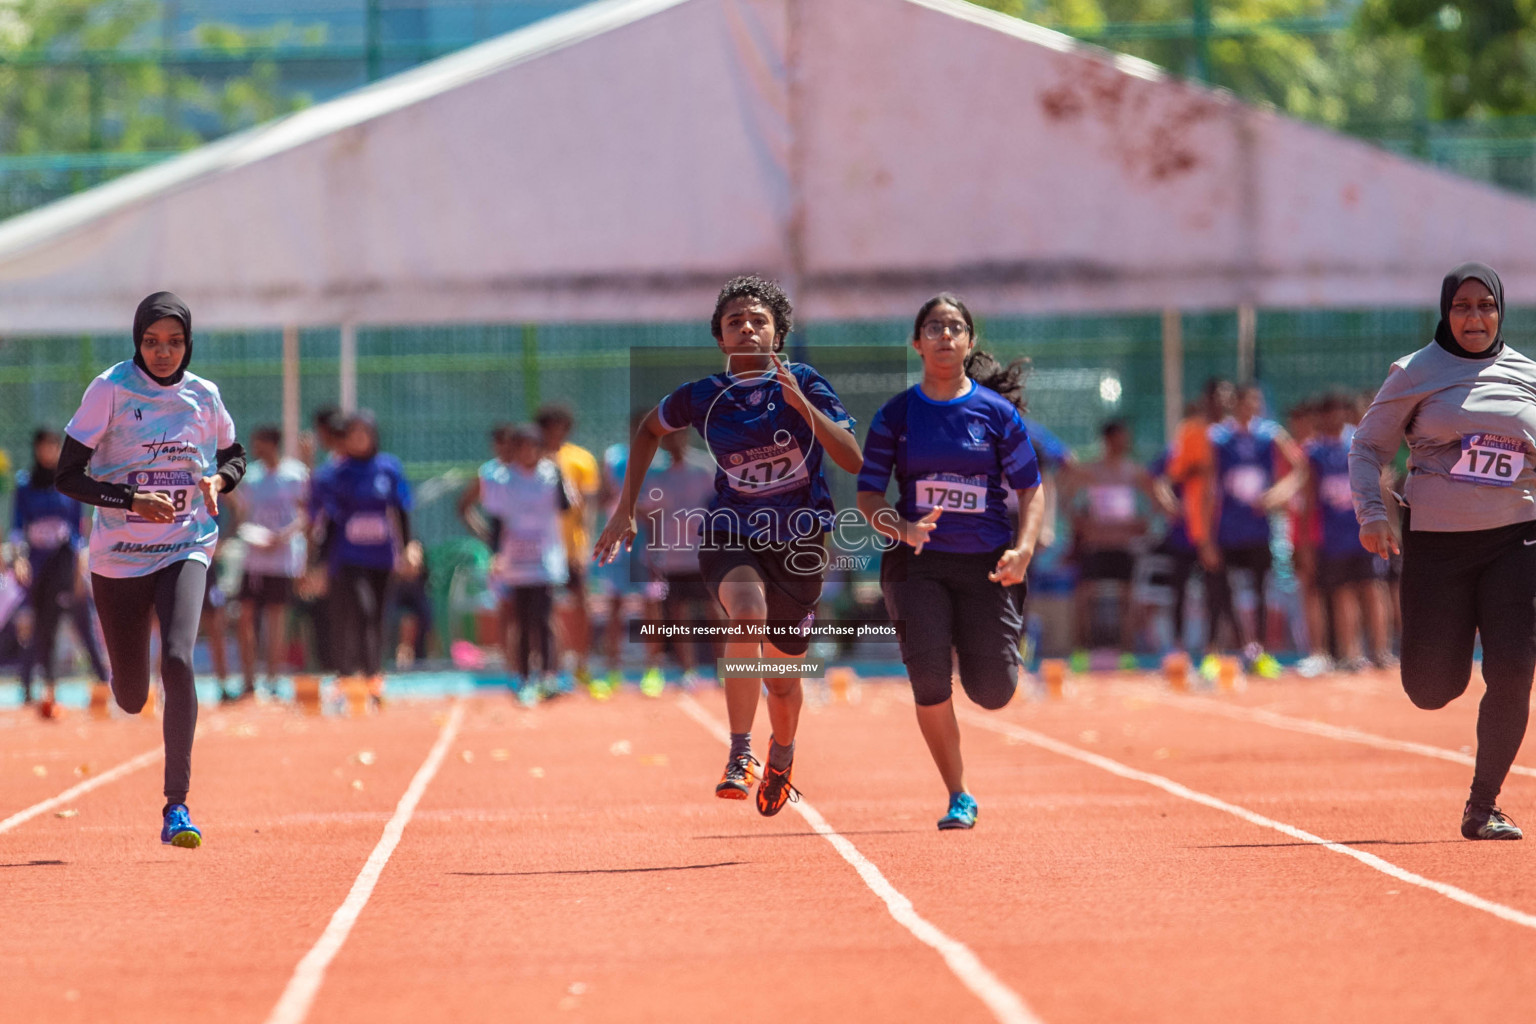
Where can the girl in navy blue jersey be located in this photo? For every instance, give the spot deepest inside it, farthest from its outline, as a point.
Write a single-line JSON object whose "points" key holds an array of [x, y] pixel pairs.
{"points": [[766, 424], [363, 522], [954, 577], [47, 539]]}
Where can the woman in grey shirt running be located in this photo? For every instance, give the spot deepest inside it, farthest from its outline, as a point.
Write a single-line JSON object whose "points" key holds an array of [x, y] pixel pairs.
{"points": [[1467, 406]]}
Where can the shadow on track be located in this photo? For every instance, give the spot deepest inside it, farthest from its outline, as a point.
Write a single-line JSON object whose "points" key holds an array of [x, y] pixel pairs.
{"points": [[1341, 842], [800, 835], [34, 864], [596, 871]]}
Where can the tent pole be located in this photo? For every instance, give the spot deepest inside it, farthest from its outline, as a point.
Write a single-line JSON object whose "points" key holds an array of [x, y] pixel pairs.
{"points": [[794, 90], [349, 366], [1173, 373], [291, 391], [1247, 339]]}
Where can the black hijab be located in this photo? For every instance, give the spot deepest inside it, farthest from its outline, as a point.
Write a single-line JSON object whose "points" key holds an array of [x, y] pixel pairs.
{"points": [[157, 307], [1454, 280]]}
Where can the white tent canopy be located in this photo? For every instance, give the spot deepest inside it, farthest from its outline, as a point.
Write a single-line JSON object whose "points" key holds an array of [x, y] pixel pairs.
{"points": [[621, 160]]}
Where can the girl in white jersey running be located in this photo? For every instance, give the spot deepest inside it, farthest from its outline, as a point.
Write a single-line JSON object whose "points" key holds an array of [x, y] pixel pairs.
{"points": [[160, 448]]}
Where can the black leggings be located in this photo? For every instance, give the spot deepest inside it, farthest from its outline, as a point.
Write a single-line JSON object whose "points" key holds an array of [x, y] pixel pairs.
{"points": [[532, 608], [1257, 560], [357, 618], [949, 611], [1456, 586], [52, 596], [175, 596]]}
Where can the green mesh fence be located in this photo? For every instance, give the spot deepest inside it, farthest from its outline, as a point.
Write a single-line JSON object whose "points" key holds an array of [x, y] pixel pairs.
{"points": [[438, 390]]}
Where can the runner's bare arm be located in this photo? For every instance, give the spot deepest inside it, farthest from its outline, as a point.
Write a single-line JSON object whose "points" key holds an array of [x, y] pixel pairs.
{"points": [[838, 441], [888, 522], [621, 527], [1014, 564]]}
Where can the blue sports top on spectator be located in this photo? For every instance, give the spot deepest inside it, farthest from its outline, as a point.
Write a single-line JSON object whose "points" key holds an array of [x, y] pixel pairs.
{"points": [[1051, 450], [44, 518], [1328, 459], [1245, 469], [1177, 535], [355, 496], [767, 461], [956, 454]]}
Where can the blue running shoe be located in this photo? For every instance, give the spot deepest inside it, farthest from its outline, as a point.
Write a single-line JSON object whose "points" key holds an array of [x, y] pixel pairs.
{"points": [[962, 813], [178, 829]]}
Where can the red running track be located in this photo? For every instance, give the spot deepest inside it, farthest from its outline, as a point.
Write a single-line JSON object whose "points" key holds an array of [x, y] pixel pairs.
{"points": [[570, 863]]}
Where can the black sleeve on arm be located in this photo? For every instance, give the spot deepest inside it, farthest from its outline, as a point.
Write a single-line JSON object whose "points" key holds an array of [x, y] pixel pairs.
{"points": [[405, 526], [231, 462], [73, 481]]}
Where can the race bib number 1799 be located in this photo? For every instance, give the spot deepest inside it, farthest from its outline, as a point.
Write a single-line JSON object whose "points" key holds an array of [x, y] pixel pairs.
{"points": [[1490, 459], [952, 493]]}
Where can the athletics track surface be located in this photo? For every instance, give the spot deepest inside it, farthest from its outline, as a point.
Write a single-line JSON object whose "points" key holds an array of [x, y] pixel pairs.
{"points": [[570, 863]]}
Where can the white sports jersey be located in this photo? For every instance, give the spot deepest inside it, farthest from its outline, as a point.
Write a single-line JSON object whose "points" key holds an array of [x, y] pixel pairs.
{"points": [[161, 439], [271, 500], [529, 507]]}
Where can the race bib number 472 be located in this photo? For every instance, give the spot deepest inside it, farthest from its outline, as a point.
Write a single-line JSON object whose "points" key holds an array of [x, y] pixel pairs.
{"points": [[767, 470], [175, 484], [1490, 459]]}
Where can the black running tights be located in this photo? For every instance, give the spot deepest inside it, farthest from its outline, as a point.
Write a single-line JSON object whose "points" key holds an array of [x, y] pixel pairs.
{"points": [[532, 607], [174, 595], [53, 597], [1456, 586], [357, 618]]}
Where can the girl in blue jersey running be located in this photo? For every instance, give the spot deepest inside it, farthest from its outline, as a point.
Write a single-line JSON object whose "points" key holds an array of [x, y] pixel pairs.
{"points": [[160, 448], [766, 424], [363, 524], [47, 539], [955, 575]]}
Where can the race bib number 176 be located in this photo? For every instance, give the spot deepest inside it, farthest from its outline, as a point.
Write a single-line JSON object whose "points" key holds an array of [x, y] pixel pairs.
{"points": [[1490, 459]]}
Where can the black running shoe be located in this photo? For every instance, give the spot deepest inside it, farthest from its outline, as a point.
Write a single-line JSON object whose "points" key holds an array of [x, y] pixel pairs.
{"points": [[775, 790], [1488, 823], [737, 781]]}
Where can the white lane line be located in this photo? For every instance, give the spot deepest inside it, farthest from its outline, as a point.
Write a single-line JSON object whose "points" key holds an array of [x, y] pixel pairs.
{"points": [[1004, 1002], [1167, 785], [299, 996], [128, 767], [1334, 732]]}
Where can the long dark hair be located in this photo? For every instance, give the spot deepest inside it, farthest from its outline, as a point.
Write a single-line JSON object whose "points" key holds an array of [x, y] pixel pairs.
{"points": [[981, 366]]}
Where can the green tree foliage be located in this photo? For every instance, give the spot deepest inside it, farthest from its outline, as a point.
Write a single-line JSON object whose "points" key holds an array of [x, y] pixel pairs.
{"points": [[87, 75], [1308, 58], [1480, 55]]}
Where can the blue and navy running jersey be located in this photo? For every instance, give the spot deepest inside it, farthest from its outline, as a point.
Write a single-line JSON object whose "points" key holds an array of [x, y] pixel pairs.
{"points": [[963, 455], [44, 518], [768, 464], [1328, 460], [1245, 469], [356, 496]]}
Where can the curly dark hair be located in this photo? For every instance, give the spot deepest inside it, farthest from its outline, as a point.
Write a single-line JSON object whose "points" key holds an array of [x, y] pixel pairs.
{"points": [[981, 366], [769, 293]]}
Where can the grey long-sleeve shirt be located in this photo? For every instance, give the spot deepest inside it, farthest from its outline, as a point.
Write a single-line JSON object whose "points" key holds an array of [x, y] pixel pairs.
{"points": [[1443, 404]]}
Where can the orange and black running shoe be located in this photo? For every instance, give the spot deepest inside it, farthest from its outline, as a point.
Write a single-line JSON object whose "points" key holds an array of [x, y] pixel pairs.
{"points": [[737, 781], [775, 790]]}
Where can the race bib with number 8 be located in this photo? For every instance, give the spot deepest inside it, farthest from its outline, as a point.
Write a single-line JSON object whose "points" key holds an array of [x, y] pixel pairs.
{"points": [[175, 484], [951, 493], [768, 470], [1490, 459]]}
